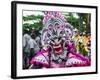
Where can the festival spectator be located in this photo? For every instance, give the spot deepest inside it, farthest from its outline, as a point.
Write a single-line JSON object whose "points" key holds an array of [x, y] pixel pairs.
{"points": [[26, 52], [33, 46]]}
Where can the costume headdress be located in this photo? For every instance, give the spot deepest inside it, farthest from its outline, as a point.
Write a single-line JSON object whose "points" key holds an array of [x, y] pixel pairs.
{"points": [[55, 25]]}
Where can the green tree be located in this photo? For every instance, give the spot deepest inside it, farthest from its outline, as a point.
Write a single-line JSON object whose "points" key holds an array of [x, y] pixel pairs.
{"points": [[37, 25]]}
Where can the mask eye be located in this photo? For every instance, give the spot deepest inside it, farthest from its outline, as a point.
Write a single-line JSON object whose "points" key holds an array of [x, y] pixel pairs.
{"points": [[53, 40], [59, 38]]}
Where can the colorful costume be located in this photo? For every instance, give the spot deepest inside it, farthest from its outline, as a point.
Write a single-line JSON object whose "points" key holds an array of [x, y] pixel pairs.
{"points": [[58, 44]]}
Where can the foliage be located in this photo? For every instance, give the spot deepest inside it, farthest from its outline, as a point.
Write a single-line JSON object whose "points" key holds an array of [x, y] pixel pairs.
{"points": [[82, 23], [36, 25], [32, 17]]}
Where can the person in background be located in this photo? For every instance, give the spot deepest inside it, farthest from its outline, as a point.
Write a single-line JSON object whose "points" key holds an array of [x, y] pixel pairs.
{"points": [[83, 45], [26, 52], [85, 39], [26, 37], [76, 40], [33, 47], [38, 39]]}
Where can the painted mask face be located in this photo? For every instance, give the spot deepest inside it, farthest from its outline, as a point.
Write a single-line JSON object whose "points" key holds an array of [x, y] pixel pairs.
{"points": [[56, 31]]}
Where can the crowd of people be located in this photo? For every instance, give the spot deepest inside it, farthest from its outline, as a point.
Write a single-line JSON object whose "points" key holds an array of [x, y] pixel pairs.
{"points": [[31, 46]]}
